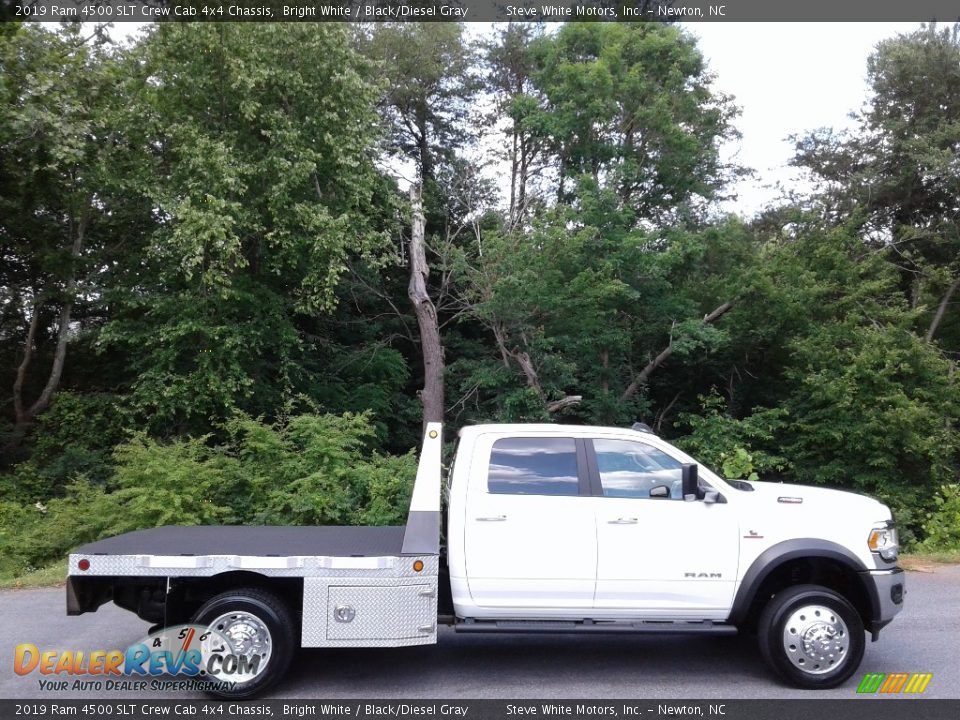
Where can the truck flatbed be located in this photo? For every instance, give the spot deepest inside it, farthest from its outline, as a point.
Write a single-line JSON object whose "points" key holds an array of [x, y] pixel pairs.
{"points": [[255, 541]]}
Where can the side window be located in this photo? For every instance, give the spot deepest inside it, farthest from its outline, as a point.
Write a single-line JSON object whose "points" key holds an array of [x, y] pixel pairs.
{"points": [[631, 469], [533, 466]]}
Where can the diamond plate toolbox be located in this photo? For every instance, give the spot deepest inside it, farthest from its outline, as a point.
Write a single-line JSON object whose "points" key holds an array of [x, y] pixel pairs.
{"points": [[373, 615]]}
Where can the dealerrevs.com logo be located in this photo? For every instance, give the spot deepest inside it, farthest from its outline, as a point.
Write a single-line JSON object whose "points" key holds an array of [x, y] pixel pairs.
{"points": [[894, 683], [181, 657]]}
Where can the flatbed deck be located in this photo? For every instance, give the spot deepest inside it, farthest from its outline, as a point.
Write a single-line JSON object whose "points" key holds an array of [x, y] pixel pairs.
{"points": [[347, 586], [254, 541]]}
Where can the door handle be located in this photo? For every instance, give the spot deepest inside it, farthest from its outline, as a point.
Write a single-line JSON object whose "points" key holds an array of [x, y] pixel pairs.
{"points": [[622, 521], [496, 518]]}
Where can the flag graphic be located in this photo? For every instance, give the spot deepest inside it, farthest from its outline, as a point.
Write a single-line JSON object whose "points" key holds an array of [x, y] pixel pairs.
{"points": [[891, 683]]}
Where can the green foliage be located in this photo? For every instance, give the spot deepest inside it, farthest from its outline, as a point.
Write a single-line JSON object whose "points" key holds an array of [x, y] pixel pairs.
{"points": [[734, 447], [315, 471], [899, 167], [429, 80], [266, 190], [311, 469], [178, 483], [265, 157], [590, 304], [942, 525], [871, 403], [14, 519], [738, 465], [370, 378], [199, 358], [630, 105], [75, 437], [32, 536], [68, 221], [872, 407], [153, 485], [242, 284]]}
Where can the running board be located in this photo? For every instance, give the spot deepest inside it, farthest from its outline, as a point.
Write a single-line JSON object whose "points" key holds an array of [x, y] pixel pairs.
{"points": [[707, 627]]}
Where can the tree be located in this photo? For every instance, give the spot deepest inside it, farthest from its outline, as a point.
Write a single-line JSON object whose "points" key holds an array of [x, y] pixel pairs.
{"points": [[59, 144], [426, 96], [423, 307], [899, 167], [587, 300], [630, 106], [511, 67], [582, 312], [428, 86], [257, 161], [871, 405]]}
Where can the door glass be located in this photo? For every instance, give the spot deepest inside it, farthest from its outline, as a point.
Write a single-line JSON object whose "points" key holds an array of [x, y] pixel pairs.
{"points": [[533, 466], [630, 469]]}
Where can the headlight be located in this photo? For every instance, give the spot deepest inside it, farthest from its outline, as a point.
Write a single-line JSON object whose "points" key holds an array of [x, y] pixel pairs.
{"points": [[883, 541]]}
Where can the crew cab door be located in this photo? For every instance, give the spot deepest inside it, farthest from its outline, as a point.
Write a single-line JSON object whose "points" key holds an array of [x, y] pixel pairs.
{"points": [[658, 555], [529, 535]]}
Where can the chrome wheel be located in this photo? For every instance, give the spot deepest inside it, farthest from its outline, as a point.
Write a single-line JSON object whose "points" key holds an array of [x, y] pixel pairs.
{"points": [[815, 639], [811, 636], [249, 637], [258, 636]]}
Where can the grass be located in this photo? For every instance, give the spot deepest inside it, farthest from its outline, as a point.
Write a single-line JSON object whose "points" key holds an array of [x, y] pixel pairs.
{"points": [[926, 560], [50, 576]]}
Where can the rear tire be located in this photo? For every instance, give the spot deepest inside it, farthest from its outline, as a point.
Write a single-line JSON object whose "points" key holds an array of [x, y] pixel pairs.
{"points": [[259, 624], [811, 636]]}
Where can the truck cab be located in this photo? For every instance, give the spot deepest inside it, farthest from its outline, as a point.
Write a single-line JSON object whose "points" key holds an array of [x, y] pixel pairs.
{"points": [[615, 529]]}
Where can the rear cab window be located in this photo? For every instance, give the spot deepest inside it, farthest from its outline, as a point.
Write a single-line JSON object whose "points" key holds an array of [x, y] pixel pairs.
{"points": [[533, 466]]}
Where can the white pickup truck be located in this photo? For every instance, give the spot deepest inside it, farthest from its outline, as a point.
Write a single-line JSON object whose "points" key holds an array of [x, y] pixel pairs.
{"points": [[549, 529]]}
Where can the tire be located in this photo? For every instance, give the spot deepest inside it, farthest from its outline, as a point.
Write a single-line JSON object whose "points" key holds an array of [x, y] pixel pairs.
{"points": [[261, 624], [811, 636]]}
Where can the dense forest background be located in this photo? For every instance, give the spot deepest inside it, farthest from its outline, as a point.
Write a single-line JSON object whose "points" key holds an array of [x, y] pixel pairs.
{"points": [[219, 302]]}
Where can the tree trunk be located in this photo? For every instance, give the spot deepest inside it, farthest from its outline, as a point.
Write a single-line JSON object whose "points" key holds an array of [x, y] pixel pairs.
{"points": [[501, 344], [423, 148], [563, 403], [522, 358], [641, 379], [524, 179], [26, 416], [942, 309], [514, 167], [432, 350], [18, 409]]}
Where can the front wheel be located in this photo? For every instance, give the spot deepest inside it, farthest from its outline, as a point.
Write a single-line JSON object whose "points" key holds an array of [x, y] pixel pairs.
{"points": [[811, 636], [257, 629]]}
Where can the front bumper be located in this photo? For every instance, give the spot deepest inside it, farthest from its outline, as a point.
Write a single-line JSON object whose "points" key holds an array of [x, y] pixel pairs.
{"points": [[886, 589]]}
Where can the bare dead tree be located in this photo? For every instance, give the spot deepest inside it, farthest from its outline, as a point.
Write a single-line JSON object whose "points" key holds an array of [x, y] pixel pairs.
{"points": [[431, 396]]}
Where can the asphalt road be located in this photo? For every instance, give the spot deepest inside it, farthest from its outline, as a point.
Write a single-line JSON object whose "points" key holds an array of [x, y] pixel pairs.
{"points": [[923, 638]]}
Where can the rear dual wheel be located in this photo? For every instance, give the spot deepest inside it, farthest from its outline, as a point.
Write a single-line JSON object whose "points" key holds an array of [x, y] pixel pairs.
{"points": [[259, 630], [811, 636]]}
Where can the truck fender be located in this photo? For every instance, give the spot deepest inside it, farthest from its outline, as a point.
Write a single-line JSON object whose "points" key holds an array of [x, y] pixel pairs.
{"points": [[775, 555]]}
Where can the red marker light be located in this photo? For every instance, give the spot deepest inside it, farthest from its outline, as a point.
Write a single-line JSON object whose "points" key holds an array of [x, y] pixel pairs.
{"points": [[84, 564]]}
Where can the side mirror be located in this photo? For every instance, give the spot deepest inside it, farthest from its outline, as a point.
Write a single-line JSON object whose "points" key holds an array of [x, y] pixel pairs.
{"points": [[689, 482], [710, 497], [660, 491]]}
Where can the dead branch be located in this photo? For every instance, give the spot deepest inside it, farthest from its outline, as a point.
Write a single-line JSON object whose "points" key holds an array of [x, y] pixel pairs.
{"points": [[644, 375]]}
